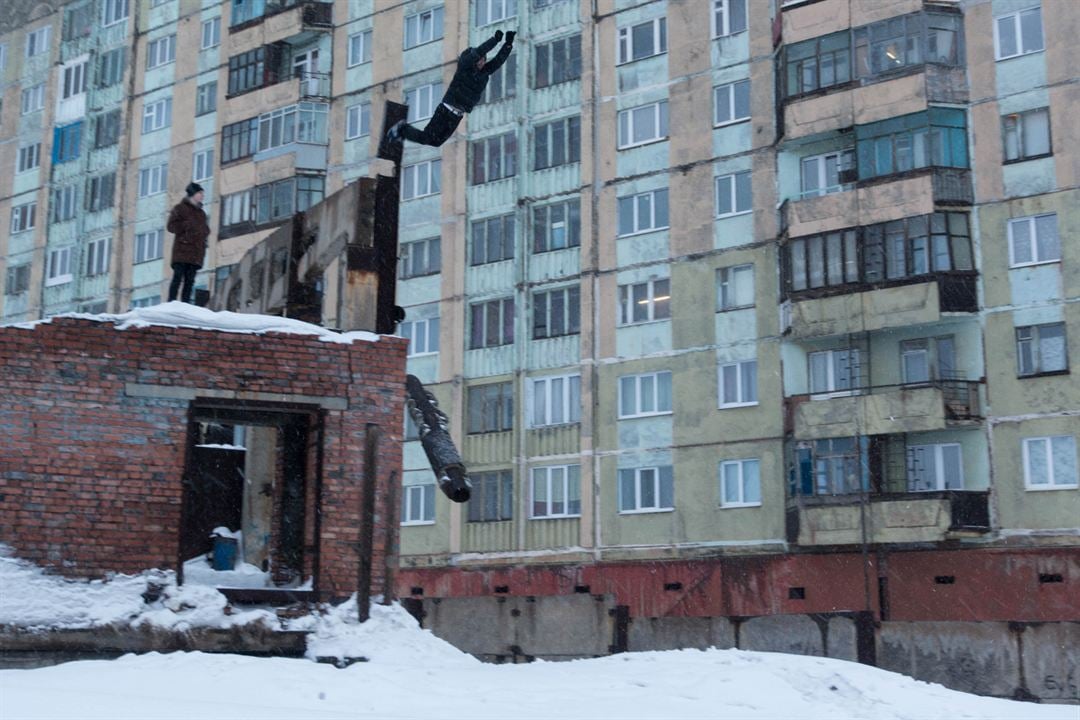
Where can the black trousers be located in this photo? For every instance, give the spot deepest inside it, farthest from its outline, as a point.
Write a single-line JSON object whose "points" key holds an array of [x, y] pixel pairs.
{"points": [[182, 273], [439, 128]]}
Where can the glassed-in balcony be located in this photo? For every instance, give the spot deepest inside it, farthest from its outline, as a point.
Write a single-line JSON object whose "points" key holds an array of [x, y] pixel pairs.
{"points": [[248, 13]]}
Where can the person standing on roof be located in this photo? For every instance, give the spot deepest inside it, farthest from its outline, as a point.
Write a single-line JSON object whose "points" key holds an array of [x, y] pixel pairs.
{"points": [[187, 221], [470, 79]]}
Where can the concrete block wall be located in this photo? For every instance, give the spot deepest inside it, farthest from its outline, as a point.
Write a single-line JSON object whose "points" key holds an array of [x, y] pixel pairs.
{"points": [[94, 422]]}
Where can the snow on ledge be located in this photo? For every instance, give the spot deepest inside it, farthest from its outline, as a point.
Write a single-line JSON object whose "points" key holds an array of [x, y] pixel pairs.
{"points": [[182, 315]]}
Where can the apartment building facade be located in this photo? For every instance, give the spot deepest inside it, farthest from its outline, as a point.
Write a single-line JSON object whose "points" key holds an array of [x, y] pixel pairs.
{"points": [[737, 307]]}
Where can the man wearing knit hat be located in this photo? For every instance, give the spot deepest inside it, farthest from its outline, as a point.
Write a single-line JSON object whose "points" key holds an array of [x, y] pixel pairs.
{"points": [[187, 221]]}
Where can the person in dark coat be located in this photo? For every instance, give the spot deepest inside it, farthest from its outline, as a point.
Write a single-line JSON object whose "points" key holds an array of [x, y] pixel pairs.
{"points": [[470, 79], [187, 221]]}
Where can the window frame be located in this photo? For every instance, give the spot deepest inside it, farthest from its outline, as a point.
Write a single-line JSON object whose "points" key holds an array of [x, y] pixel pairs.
{"points": [[32, 99], [941, 483], [480, 248], [626, 295], [437, 28], [733, 194], [26, 215], [545, 404], [113, 12], [434, 93], [156, 180], [728, 276], [483, 150], [635, 210], [658, 379], [157, 115], [571, 491], [481, 312], [658, 480], [432, 168], [1035, 340], [64, 201], [732, 88], [359, 50], [111, 67], [1020, 119], [160, 51], [426, 502], [1018, 35], [106, 129], [430, 327], [720, 18], [571, 312], [624, 40], [1050, 484], [856, 381], [354, 120], [743, 369], [18, 279], [845, 162], [568, 145], [560, 60], [502, 483], [430, 262], [203, 159], [97, 257], [722, 478], [544, 228], [489, 408], [67, 142], [37, 41], [625, 141], [28, 158], [214, 26], [58, 269], [148, 247], [1033, 237], [97, 199]]}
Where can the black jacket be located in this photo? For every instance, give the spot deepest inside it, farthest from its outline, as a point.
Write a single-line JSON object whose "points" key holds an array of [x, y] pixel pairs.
{"points": [[469, 81]]}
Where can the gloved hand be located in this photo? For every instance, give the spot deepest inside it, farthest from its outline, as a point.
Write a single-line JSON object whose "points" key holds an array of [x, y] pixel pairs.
{"points": [[510, 37], [498, 35]]}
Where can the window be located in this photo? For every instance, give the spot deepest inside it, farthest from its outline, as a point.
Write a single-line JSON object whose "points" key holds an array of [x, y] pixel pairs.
{"points": [[1050, 462], [423, 27], [738, 384], [422, 257], [1026, 134], [18, 279], [238, 210], [492, 323], [64, 203], [418, 504], [643, 213], [160, 51], [37, 41], [646, 489], [644, 302], [111, 67], [423, 336], [555, 401], [1034, 240], [73, 80], [1018, 33], [66, 142], [33, 98], [29, 157], [492, 496], [935, 138], [817, 64], [23, 217], [420, 179], [422, 101], [3, 57], [149, 246], [735, 287], [145, 302], [557, 61], [557, 143], [490, 408], [490, 11], [152, 180], [502, 84], [733, 194], [644, 395], [58, 267], [731, 103], [253, 69], [494, 158], [113, 11], [1041, 349], [935, 467], [280, 200], [827, 173], [556, 312], [157, 115], [206, 98], [359, 48], [902, 42], [211, 33], [926, 359], [239, 140], [740, 483], [835, 371], [99, 192], [642, 125], [728, 17], [643, 40], [202, 165], [836, 467], [557, 226], [97, 257], [304, 122], [107, 129], [357, 121], [556, 491], [492, 240]]}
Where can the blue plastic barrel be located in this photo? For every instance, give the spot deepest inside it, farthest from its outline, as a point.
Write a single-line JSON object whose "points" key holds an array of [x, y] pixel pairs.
{"points": [[224, 553]]}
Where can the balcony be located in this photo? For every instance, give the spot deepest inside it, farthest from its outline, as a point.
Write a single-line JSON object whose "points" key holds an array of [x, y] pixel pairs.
{"points": [[907, 517], [884, 410], [288, 16]]}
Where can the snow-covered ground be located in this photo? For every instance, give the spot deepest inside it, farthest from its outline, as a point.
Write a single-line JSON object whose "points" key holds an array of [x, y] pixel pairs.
{"points": [[412, 674]]}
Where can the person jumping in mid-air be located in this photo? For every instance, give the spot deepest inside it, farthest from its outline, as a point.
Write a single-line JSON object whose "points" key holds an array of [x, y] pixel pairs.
{"points": [[470, 79]]}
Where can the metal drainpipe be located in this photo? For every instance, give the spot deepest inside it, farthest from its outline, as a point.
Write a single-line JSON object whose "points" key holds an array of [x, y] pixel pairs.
{"points": [[123, 155], [594, 253]]}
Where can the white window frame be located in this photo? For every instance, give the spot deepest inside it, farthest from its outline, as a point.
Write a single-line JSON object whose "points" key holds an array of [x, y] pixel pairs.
{"points": [[425, 253], [153, 180], [423, 336], [635, 205], [1035, 239], [23, 217], [743, 369], [74, 79], [359, 48], [411, 175], [58, 267], [202, 165], [652, 296], [206, 98], [1035, 339], [729, 283], [355, 117], [97, 257], [721, 18], [33, 99], [435, 20], [551, 477], [626, 125], [416, 496], [640, 389], [1018, 37], [161, 51], [1048, 442], [424, 98], [545, 403], [29, 158], [3, 57], [730, 91], [37, 41], [934, 456], [489, 12], [831, 390], [845, 161], [211, 33], [657, 479], [741, 479], [149, 246], [143, 302], [625, 40], [1022, 124], [731, 180], [64, 203], [113, 11], [157, 115]]}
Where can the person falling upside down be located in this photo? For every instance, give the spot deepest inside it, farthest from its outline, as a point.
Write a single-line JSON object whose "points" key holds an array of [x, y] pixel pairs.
{"points": [[470, 79]]}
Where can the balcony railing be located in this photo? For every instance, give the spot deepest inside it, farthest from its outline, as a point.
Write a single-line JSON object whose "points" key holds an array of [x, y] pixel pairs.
{"points": [[313, 85], [252, 12]]}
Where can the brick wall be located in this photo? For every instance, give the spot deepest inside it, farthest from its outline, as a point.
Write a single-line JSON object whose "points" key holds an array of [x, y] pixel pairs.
{"points": [[94, 435]]}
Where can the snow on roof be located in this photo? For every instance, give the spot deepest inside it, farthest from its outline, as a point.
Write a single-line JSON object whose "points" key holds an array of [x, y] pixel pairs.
{"points": [[182, 315]]}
